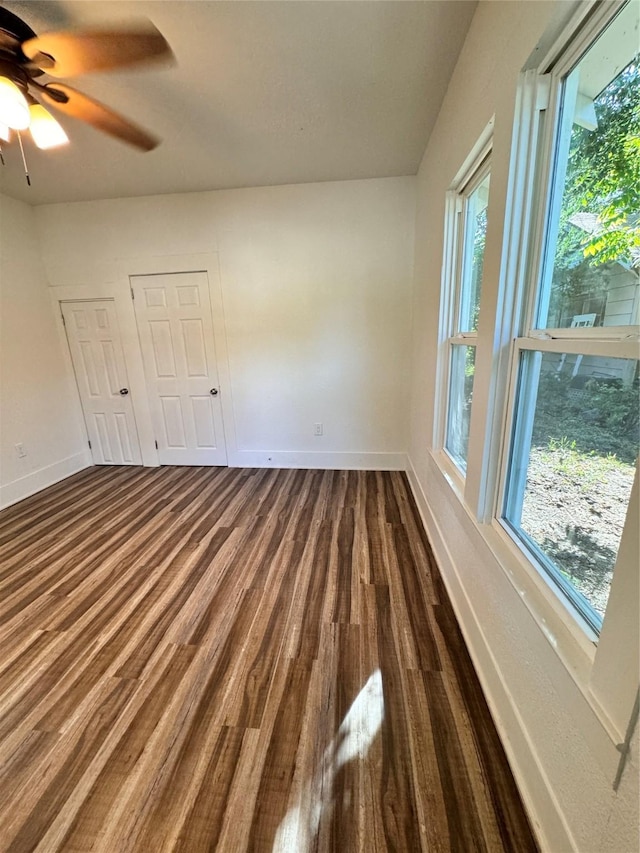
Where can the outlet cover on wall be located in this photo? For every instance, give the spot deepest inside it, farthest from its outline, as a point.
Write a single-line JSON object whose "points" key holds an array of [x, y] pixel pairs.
{"points": [[20, 451], [317, 429]]}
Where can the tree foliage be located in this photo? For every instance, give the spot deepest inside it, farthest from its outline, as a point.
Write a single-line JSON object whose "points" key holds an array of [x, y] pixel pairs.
{"points": [[603, 179]]}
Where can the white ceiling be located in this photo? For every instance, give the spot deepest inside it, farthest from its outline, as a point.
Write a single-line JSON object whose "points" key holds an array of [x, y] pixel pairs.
{"points": [[263, 93]]}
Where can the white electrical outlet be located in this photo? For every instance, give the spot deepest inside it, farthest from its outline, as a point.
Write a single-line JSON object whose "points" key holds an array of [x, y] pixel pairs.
{"points": [[21, 451], [317, 429]]}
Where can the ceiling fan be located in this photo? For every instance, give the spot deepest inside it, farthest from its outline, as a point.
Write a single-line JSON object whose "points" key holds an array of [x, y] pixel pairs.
{"points": [[25, 58]]}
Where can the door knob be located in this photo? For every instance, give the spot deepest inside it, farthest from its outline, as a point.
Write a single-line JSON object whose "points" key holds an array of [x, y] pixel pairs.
{"points": [[214, 392], [124, 391]]}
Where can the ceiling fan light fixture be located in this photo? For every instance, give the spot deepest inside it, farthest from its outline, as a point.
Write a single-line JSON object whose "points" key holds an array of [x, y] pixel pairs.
{"points": [[14, 110], [45, 130], [24, 56]]}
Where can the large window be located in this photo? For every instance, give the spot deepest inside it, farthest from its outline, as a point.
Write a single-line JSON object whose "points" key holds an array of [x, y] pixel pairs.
{"points": [[574, 432], [468, 228]]}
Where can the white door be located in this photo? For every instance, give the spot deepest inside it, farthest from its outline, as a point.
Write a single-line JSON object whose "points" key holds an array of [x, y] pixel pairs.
{"points": [[173, 312], [98, 363]]}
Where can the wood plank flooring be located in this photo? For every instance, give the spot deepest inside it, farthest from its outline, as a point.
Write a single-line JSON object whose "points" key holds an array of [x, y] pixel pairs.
{"points": [[199, 659]]}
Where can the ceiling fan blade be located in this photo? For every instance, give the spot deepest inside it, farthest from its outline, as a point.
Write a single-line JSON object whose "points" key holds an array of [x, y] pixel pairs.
{"points": [[96, 50], [92, 112]]}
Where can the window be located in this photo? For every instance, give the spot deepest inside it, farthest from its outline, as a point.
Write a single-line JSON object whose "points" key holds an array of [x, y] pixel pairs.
{"points": [[575, 433], [468, 211]]}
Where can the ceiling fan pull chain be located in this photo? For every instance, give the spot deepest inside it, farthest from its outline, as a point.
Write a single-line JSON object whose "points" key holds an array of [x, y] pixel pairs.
{"points": [[24, 159]]}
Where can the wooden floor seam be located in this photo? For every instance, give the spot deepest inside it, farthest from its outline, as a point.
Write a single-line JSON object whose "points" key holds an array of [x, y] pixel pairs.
{"points": [[222, 659]]}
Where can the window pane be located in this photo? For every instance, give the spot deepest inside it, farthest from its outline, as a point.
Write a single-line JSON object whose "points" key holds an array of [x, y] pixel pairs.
{"points": [[594, 234], [573, 463], [473, 259], [463, 360]]}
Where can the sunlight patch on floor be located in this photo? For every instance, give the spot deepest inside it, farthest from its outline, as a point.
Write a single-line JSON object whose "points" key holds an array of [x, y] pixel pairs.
{"points": [[357, 732]]}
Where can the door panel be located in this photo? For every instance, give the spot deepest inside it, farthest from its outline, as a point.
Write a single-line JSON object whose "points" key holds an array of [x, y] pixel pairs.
{"points": [[173, 422], [175, 326], [194, 348], [98, 363], [163, 360]]}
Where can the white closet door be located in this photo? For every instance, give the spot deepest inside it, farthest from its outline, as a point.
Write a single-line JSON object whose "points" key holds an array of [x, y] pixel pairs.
{"points": [[173, 312], [101, 375]]}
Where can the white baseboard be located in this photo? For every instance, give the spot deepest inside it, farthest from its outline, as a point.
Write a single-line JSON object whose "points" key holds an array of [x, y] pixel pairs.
{"points": [[545, 814], [17, 490], [318, 459]]}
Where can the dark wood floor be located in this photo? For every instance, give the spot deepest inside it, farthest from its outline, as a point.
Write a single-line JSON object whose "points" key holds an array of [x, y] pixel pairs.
{"points": [[202, 659]]}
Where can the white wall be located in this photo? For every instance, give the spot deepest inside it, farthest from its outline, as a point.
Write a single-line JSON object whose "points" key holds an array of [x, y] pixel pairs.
{"points": [[37, 399], [316, 285], [565, 760]]}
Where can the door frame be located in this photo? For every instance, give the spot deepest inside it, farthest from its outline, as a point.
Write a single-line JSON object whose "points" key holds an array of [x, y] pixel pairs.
{"points": [[68, 354], [130, 348], [207, 263], [119, 289], [181, 367]]}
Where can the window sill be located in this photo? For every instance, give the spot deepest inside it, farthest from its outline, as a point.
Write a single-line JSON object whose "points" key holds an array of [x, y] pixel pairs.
{"points": [[572, 640], [452, 474]]}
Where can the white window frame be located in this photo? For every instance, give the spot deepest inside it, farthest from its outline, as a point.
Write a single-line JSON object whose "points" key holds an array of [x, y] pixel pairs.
{"points": [[474, 170], [601, 667]]}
